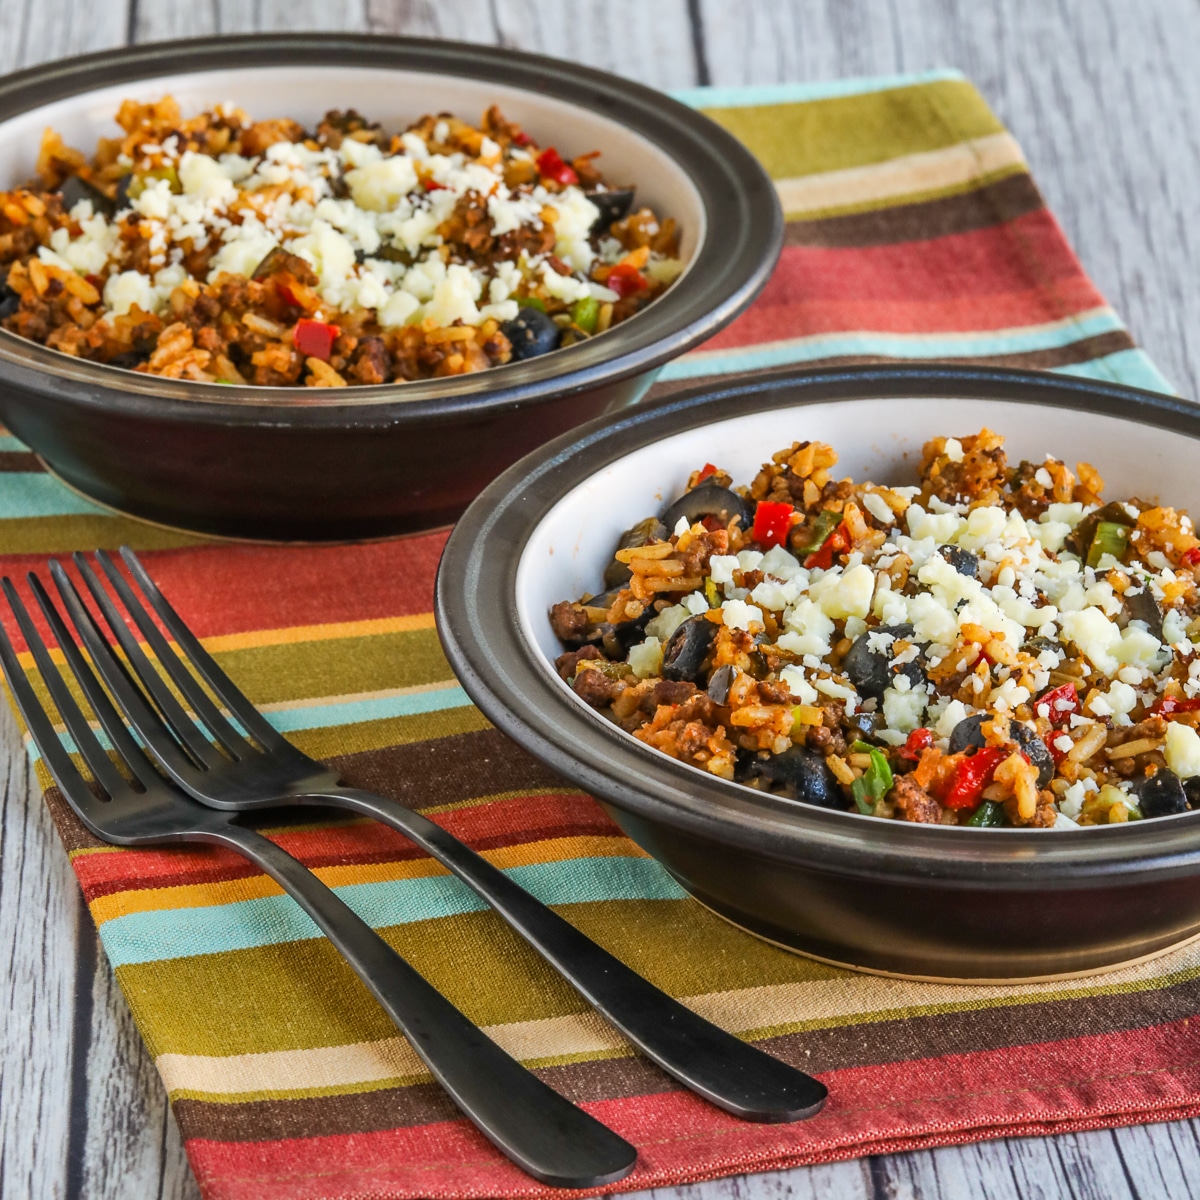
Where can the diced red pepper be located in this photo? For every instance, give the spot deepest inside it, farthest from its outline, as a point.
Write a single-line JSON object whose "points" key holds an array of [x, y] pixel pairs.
{"points": [[712, 523], [836, 542], [521, 137], [971, 776], [625, 279], [705, 471], [551, 166], [1055, 753], [1190, 558], [287, 295], [1062, 702], [1169, 704], [314, 339], [918, 740], [772, 520], [432, 185]]}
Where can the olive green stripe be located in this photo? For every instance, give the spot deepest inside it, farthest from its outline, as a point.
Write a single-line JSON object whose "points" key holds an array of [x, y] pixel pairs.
{"points": [[350, 666], [854, 131], [64, 534], [474, 958]]}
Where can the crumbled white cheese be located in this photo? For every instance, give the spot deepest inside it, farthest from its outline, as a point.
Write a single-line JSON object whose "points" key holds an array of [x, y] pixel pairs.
{"points": [[794, 679], [878, 508], [903, 709], [737, 614], [1183, 750], [844, 594], [667, 622], [952, 714], [377, 186], [645, 659], [721, 567], [122, 292], [454, 298]]}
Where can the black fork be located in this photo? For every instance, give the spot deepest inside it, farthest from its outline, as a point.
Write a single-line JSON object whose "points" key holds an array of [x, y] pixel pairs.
{"points": [[533, 1125], [214, 762]]}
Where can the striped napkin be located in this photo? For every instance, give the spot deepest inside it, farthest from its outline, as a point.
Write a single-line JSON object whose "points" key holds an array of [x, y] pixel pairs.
{"points": [[914, 231]]}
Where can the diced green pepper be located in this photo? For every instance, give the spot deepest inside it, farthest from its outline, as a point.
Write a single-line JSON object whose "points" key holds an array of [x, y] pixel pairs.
{"points": [[137, 185], [585, 313], [1110, 538], [987, 814], [531, 302], [711, 594], [874, 783], [827, 521]]}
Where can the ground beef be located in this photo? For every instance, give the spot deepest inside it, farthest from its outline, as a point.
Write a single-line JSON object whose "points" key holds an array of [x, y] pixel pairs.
{"points": [[914, 803], [372, 363], [566, 664], [596, 688], [569, 622]]}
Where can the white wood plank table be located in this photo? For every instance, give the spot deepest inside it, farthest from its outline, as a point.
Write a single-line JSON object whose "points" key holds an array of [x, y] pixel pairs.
{"points": [[1102, 95]]}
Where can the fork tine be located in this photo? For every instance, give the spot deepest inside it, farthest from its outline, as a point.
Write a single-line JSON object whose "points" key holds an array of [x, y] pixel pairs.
{"points": [[41, 728], [86, 742], [204, 708], [180, 722], [105, 711], [194, 652], [140, 715]]}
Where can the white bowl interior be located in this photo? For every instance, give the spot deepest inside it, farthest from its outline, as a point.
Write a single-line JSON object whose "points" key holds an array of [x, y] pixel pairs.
{"points": [[394, 98], [879, 440]]}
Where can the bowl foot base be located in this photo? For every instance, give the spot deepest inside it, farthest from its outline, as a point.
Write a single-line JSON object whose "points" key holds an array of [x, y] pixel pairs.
{"points": [[980, 981]]}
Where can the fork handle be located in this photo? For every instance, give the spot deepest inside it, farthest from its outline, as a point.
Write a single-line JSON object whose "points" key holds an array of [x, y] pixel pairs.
{"points": [[730, 1073], [543, 1133]]}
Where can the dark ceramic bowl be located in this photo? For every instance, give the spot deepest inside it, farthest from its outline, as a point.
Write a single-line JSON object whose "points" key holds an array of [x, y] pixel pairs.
{"points": [[303, 463], [944, 902]]}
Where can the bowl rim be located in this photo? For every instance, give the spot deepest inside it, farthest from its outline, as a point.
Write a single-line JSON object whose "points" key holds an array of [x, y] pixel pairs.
{"points": [[731, 264], [478, 623]]}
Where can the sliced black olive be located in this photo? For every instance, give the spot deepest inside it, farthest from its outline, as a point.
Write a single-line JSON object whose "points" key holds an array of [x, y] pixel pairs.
{"points": [[1191, 789], [612, 205], [802, 775], [271, 263], [9, 300], [1079, 540], [617, 573], [123, 183], [872, 672], [1035, 645], [395, 254], [865, 725], [687, 648], [127, 359], [532, 333], [75, 189], [1035, 750], [1144, 607], [616, 639], [709, 500], [1162, 795], [720, 683], [963, 561], [968, 732]]}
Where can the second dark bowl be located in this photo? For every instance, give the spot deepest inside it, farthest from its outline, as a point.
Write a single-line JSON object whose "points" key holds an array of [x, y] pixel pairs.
{"points": [[917, 900], [297, 463]]}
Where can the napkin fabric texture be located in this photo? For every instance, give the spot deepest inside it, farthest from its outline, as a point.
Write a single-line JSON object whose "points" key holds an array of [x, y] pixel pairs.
{"points": [[914, 232]]}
